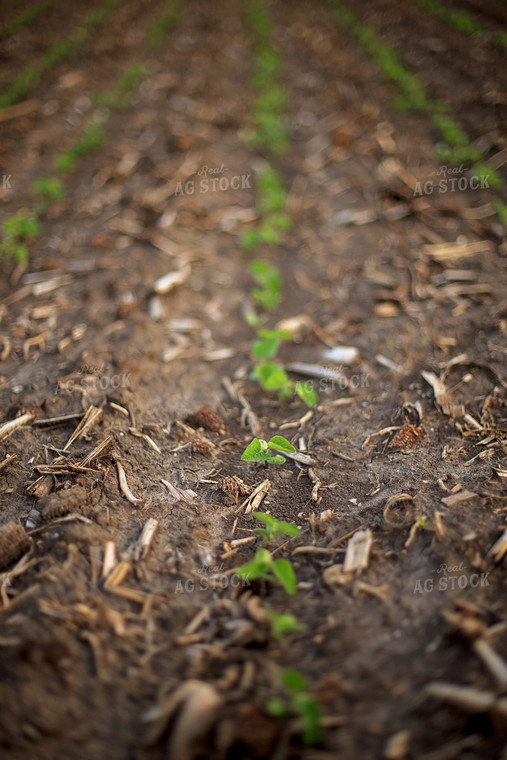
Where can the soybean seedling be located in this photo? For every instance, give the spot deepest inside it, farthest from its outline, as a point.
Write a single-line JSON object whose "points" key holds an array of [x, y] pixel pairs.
{"points": [[50, 190], [264, 567], [298, 702], [269, 343], [273, 377], [269, 280], [17, 230], [259, 450], [93, 139], [272, 202], [283, 625], [273, 527]]}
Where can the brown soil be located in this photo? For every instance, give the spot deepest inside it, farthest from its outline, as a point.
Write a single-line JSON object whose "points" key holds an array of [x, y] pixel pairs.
{"points": [[90, 662]]}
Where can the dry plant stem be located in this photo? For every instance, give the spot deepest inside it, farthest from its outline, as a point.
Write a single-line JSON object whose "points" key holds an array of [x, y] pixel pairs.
{"points": [[9, 427], [124, 487], [92, 415]]}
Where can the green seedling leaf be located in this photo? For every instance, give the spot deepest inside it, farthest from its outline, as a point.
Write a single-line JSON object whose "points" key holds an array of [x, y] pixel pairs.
{"points": [[293, 681], [272, 377], [277, 459], [20, 253], [280, 443], [306, 393], [262, 534], [265, 349], [284, 572], [266, 276], [268, 235], [275, 526], [256, 451], [283, 625], [276, 707], [258, 567], [278, 334], [49, 187], [266, 519], [310, 711], [250, 239], [289, 529]]}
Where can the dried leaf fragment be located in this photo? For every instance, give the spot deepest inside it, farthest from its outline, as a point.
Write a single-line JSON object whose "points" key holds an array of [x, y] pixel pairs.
{"points": [[442, 397]]}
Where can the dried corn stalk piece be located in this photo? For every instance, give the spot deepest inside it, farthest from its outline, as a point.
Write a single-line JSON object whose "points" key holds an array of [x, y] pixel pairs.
{"points": [[63, 502], [14, 542], [9, 427], [92, 415], [124, 487], [208, 419], [196, 704], [357, 556]]}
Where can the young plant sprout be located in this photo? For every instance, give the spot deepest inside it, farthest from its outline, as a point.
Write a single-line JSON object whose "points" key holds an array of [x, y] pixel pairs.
{"points": [[274, 527], [264, 567], [16, 232], [259, 450], [283, 625], [269, 281], [298, 702]]}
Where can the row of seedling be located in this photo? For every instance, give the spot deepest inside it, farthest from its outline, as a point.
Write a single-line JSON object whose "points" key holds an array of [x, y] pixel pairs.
{"points": [[22, 228], [264, 567], [271, 101], [270, 131], [460, 20], [456, 147], [61, 51], [268, 115], [27, 17]]}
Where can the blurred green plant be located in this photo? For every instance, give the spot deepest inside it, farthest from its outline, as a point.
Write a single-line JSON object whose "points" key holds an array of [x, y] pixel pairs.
{"points": [[49, 190], [93, 138], [17, 231], [298, 702]]}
